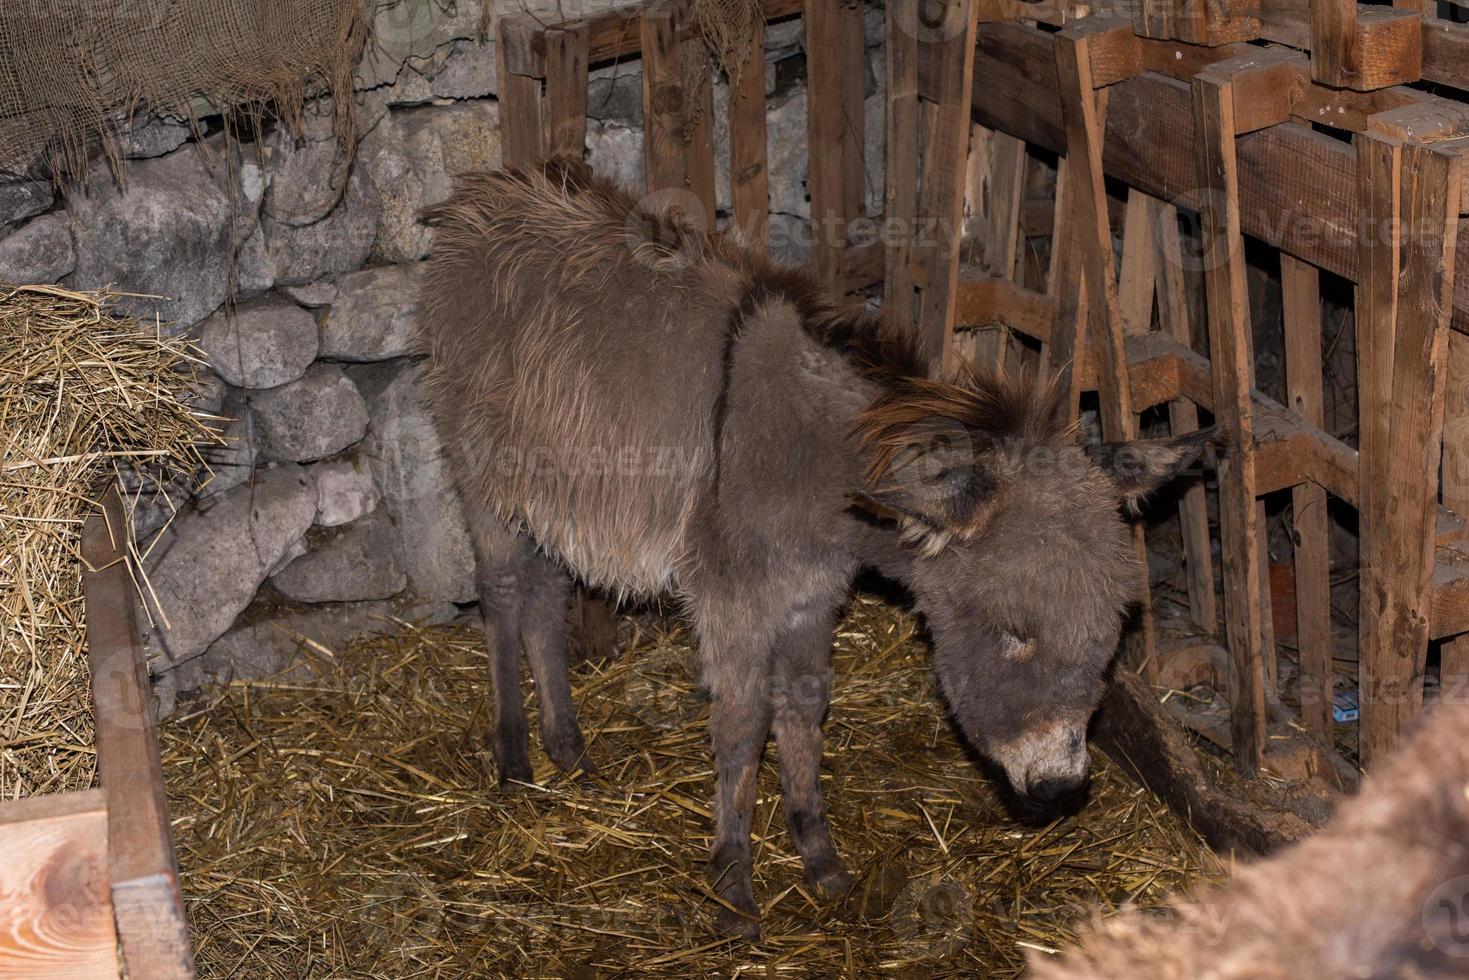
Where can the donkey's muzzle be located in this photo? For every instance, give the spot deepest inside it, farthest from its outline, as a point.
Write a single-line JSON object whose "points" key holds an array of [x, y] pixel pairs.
{"points": [[1054, 789]]}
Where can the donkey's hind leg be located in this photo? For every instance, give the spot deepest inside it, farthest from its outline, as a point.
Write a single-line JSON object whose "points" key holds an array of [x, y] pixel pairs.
{"points": [[803, 676], [543, 632], [523, 600]]}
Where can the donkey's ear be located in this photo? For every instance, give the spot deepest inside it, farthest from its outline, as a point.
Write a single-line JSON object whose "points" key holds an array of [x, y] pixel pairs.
{"points": [[1138, 468], [933, 506]]}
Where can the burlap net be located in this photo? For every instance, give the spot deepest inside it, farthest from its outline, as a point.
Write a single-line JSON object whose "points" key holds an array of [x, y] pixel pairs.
{"points": [[73, 71]]}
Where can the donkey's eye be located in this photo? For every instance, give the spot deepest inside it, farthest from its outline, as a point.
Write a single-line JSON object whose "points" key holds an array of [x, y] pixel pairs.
{"points": [[1014, 648]]}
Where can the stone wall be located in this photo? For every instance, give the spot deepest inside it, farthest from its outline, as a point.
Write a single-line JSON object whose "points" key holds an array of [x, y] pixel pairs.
{"points": [[328, 510]]}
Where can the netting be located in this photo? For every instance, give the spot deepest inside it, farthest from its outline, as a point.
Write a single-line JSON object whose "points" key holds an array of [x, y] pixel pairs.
{"points": [[73, 71]]}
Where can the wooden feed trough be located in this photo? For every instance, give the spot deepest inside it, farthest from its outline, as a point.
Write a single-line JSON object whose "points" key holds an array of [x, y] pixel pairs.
{"points": [[88, 882]]}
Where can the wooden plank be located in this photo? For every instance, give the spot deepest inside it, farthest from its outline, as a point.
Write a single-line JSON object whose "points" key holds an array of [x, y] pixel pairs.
{"points": [[900, 193], [1402, 545], [520, 106], [1229, 344], [1301, 298], [1336, 55], [941, 200], [566, 92], [664, 152], [146, 901], [1379, 188], [990, 299], [749, 176], [1183, 417], [54, 897], [826, 173], [1084, 109], [1137, 280], [1454, 654]]}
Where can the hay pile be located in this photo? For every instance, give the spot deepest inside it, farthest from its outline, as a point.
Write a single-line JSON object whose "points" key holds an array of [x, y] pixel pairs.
{"points": [[350, 826], [84, 396]]}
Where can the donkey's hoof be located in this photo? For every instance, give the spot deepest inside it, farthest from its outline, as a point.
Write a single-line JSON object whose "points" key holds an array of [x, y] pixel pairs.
{"points": [[569, 753], [742, 924], [514, 771], [834, 885]]}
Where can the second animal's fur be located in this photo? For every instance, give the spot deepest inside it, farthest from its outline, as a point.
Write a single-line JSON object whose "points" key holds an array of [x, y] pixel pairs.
{"points": [[660, 410]]}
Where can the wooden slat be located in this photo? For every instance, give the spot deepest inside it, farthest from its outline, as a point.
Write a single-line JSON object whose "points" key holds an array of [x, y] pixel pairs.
{"points": [[1138, 276], [54, 899], [1402, 544], [1084, 109], [1229, 343], [1301, 298], [143, 872], [1183, 416], [664, 153], [900, 194], [941, 199], [749, 176], [826, 172], [566, 92], [1379, 188], [700, 147]]}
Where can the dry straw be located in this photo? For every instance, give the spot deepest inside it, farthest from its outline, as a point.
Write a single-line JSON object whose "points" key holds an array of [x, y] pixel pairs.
{"points": [[84, 396], [347, 824]]}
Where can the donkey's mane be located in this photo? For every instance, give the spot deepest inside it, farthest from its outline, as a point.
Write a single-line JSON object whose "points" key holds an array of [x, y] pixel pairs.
{"points": [[593, 222]]}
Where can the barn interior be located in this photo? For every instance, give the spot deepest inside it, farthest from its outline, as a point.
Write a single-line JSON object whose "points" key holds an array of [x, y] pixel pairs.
{"points": [[243, 702]]}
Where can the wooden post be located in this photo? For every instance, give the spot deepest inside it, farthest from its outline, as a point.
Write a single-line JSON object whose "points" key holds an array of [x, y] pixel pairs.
{"points": [[1405, 502], [665, 154], [146, 902], [853, 50], [1183, 416], [900, 195], [827, 142], [748, 174], [520, 100], [1301, 296], [1230, 360], [942, 196], [566, 91], [1083, 108]]}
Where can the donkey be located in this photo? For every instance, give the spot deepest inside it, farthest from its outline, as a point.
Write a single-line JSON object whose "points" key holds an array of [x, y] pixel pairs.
{"points": [[655, 409], [1381, 891]]}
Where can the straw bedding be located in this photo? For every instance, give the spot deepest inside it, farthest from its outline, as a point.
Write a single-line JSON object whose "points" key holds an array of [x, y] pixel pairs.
{"points": [[345, 822], [84, 396]]}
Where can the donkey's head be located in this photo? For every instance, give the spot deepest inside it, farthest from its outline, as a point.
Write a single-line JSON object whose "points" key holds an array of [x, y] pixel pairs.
{"points": [[1023, 564]]}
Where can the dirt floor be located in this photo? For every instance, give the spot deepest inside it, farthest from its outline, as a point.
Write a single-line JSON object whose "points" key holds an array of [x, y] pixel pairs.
{"points": [[350, 825]]}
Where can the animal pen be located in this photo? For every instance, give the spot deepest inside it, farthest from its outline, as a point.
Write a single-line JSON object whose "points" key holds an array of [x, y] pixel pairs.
{"points": [[1325, 136]]}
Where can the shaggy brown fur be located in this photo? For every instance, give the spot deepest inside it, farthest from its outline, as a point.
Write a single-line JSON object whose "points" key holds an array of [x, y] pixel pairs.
{"points": [[655, 410], [1382, 891]]}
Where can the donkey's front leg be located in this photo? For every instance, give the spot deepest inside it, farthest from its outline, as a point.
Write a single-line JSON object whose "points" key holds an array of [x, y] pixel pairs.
{"points": [[803, 689], [739, 723]]}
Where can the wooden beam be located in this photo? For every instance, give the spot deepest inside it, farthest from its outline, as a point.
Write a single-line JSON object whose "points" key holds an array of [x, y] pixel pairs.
{"points": [[1301, 299], [143, 872], [57, 907], [1229, 344], [941, 200], [900, 194], [994, 189], [852, 49], [1454, 654], [1402, 543], [748, 172]]}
